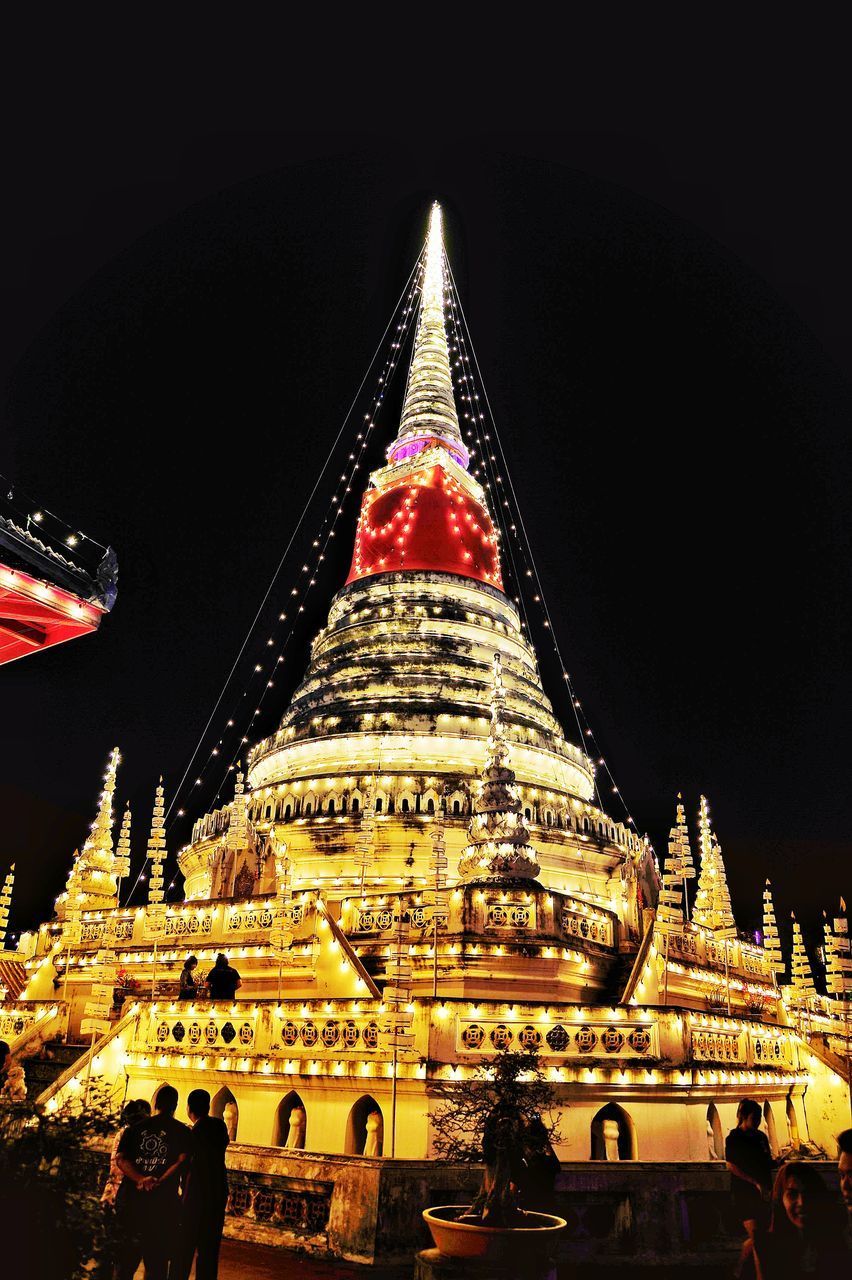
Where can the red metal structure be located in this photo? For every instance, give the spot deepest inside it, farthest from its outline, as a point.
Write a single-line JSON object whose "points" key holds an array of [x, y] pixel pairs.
{"points": [[55, 584]]}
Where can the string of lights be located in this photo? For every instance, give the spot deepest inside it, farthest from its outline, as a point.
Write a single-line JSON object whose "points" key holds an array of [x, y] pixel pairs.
{"points": [[480, 415], [234, 739]]}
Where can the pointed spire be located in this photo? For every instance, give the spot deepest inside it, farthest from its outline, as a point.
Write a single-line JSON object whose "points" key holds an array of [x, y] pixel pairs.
{"points": [[499, 841], [100, 836], [677, 869], [800, 965], [838, 955], [771, 939], [122, 852], [157, 848], [713, 901], [91, 882], [429, 409], [5, 904]]}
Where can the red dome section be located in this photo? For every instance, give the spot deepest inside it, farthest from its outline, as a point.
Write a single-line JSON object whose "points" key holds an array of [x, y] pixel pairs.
{"points": [[426, 521]]}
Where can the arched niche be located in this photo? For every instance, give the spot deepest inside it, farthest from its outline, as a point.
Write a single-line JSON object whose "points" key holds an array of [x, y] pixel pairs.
{"points": [[771, 1128], [715, 1136], [224, 1105], [357, 1129], [793, 1126], [618, 1144], [282, 1134]]}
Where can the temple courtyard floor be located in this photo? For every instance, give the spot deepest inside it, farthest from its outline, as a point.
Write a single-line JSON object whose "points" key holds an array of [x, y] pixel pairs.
{"points": [[244, 1261]]}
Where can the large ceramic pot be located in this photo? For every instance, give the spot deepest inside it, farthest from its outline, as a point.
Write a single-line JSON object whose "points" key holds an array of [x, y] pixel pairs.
{"points": [[535, 1238]]}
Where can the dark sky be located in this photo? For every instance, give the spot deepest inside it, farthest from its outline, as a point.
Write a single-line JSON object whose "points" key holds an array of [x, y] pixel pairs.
{"points": [[195, 268]]}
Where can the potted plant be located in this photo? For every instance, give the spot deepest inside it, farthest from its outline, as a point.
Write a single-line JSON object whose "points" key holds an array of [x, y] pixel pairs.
{"points": [[501, 1117], [125, 985]]}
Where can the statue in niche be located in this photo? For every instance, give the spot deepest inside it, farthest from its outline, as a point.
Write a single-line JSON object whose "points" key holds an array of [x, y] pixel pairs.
{"points": [[610, 1137], [375, 1134], [244, 882], [296, 1131], [711, 1143], [230, 1115]]}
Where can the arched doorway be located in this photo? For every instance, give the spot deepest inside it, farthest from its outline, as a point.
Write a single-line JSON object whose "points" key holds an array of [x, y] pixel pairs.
{"points": [[610, 1143], [284, 1134], [362, 1125], [715, 1137], [224, 1105], [771, 1130]]}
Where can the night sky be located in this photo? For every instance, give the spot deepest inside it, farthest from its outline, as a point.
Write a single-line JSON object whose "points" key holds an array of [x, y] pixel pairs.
{"points": [[194, 277]]}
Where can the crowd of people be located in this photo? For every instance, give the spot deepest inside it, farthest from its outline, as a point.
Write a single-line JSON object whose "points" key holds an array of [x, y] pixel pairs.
{"points": [[793, 1226], [167, 1189]]}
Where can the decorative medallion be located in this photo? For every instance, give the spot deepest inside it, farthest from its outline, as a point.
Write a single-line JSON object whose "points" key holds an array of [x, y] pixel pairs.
{"points": [[228, 1032], [211, 1033], [350, 1035], [585, 1039], [558, 1038], [178, 1031], [289, 1034], [370, 1035], [162, 1032], [194, 1033], [246, 1033], [639, 1040], [473, 1036], [613, 1040], [330, 1034], [529, 1038], [501, 1037], [309, 1034]]}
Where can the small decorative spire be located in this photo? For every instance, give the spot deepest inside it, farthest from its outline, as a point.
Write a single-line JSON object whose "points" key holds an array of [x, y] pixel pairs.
{"points": [[5, 904], [157, 848], [100, 836], [91, 882], [499, 841], [237, 834], [122, 853], [429, 409], [677, 869], [712, 907], [771, 939], [838, 957], [800, 965]]}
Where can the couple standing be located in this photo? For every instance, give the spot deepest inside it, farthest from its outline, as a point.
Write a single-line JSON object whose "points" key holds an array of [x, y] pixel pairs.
{"points": [[171, 1201]]}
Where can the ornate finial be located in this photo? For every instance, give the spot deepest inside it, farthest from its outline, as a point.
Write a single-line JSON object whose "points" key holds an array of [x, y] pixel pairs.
{"points": [[677, 869], [429, 409], [157, 848], [5, 903], [771, 939], [499, 841]]}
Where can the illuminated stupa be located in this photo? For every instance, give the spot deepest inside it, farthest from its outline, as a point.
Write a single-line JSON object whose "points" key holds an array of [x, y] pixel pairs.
{"points": [[399, 679], [414, 874]]}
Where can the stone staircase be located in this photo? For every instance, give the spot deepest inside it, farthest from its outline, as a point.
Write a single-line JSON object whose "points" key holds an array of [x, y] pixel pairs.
{"points": [[47, 1065]]}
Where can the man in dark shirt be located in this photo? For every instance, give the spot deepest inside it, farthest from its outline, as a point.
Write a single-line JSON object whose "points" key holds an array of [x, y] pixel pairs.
{"points": [[750, 1165], [223, 979], [149, 1156], [205, 1193]]}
